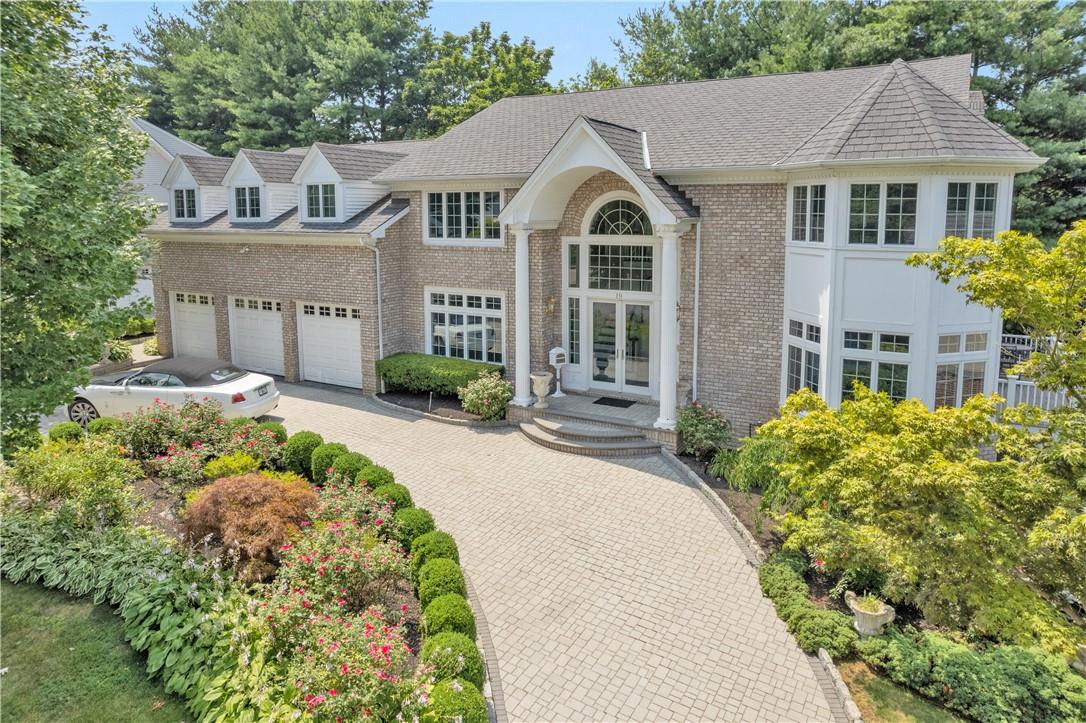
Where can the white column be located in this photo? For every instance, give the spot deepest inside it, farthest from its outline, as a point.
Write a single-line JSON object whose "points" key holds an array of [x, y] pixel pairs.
{"points": [[522, 387], [669, 327]]}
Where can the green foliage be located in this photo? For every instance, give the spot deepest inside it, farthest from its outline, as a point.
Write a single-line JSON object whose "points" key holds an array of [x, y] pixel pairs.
{"points": [[150, 347], [104, 425], [449, 613], [755, 465], [453, 655], [781, 578], [374, 476], [430, 373], [350, 464], [432, 546], [597, 76], [323, 458], [397, 494], [486, 396], [457, 700], [1006, 683], [440, 577], [66, 432], [1042, 290], [411, 522], [298, 452], [118, 350], [67, 157], [702, 430], [230, 465], [277, 429]]}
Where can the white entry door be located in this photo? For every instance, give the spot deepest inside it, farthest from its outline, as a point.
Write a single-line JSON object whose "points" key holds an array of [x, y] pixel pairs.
{"points": [[194, 325], [330, 344], [623, 340], [256, 334]]}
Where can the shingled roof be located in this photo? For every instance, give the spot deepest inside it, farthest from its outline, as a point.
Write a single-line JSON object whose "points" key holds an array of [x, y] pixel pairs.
{"points": [[273, 167], [172, 144], [747, 122], [357, 162], [207, 170]]}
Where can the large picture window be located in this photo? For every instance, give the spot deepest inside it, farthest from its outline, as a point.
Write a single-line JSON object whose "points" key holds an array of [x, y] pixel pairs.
{"points": [[465, 324], [463, 216]]}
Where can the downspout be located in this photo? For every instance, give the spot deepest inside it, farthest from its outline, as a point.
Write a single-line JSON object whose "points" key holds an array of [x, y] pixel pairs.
{"points": [[697, 307]]}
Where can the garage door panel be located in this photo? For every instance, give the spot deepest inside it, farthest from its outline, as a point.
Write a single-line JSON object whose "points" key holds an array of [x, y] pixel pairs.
{"points": [[257, 339], [330, 345], [194, 325]]}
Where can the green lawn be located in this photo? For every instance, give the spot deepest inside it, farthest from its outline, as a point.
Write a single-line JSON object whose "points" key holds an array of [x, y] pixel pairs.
{"points": [[881, 701], [67, 660]]}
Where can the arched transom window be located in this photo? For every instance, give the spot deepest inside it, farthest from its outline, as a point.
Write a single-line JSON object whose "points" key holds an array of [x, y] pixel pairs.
{"points": [[620, 218]]}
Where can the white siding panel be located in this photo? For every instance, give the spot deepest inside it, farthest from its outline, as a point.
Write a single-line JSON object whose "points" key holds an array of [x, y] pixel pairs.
{"points": [[359, 195]]}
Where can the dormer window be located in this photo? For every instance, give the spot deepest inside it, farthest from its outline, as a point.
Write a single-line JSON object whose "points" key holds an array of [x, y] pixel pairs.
{"points": [[247, 202], [320, 200], [184, 203]]}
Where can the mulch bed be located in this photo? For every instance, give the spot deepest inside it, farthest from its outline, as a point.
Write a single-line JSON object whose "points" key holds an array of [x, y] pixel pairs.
{"points": [[743, 504], [163, 506], [442, 406]]}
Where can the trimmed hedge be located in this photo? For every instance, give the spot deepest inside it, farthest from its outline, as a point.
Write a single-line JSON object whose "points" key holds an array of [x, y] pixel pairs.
{"points": [[374, 476], [449, 613], [440, 577], [456, 700], [104, 425], [1006, 683], [433, 546], [298, 452], [452, 655], [323, 458], [398, 494], [276, 428], [66, 432], [412, 522], [350, 464], [431, 373], [781, 578]]}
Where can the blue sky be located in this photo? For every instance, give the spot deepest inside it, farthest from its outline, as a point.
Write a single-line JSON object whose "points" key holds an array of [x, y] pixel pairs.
{"points": [[576, 30]]}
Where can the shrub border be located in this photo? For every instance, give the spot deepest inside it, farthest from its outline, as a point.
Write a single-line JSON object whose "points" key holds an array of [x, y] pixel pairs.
{"points": [[470, 423]]}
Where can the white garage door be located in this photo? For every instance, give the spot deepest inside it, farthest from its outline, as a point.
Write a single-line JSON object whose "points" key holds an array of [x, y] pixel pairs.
{"points": [[194, 325], [330, 344], [256, 334]]}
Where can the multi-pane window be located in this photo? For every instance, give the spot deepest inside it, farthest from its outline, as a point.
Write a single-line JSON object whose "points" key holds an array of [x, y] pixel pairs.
{"points": [[882, 366], [893, 380], [970, 209], [854, 370], [247, 202], [620, 267], [863, 213], [336, 312], [892, 222], [957, 382], [859, 340], [811, 364], [573, 322], [804, 357], [466, 325], [894, 343], [976, 341], [794, 373], [620, 218], [203, 299], [809, 213], [814, 333], [950, 343], [257, 304], [463, 215], [795, 328], [320, 200], [184, 203], [573, 262], [900, 213]]}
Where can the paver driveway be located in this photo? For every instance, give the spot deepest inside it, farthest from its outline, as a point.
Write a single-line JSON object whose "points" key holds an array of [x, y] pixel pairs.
{"points": [[612, 591]]}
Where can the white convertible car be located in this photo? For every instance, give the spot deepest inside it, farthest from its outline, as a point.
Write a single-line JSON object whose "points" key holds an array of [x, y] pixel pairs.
{"points": [[176, 381]]}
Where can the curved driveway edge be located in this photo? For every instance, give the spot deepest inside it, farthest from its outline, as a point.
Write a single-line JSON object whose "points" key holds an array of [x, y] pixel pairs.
{"points": [[611, 589]]}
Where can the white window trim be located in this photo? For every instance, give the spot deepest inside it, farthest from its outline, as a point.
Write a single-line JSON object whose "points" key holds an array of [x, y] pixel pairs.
{"points": [[875, 356], [173, 204], [232, 203], [428, 307], [973, 183], [807, 347], [303, 201], [825, 214], [603, 199], [475, 242], [881, 241]]}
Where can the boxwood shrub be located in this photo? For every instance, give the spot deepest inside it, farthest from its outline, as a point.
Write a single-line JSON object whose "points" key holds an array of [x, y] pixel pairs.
{"points": [[440, 577], [433, 546], [452, 655], [456, 700], [374, 476], [781, 578], [324, 457], [65, 432], [401, 498], [350, 464], [411, 522], [431, 373], [276, 428], [104, 425], [298, 452], [449, 613]]}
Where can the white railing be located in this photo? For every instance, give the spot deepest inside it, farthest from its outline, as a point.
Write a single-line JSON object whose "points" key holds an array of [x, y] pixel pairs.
{"points": [[1020, 391]]}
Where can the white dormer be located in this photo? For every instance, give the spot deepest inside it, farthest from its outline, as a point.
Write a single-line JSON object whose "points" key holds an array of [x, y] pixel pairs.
{"points": [[259, 187], [245, 191], [333, 182], [194, 187]]}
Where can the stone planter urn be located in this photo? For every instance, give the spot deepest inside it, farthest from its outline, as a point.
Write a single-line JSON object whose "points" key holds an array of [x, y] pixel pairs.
{"points": [[868, 623], [541, 387], [1080, 659]]}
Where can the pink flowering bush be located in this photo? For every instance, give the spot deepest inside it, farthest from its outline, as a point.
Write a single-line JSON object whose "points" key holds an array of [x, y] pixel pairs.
{"points": [[260, 444], [183, 465], [486, 396], [342, 499]]}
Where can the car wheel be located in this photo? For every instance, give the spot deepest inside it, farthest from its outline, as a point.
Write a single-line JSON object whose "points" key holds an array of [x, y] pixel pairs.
{"points": [[83, 412]]}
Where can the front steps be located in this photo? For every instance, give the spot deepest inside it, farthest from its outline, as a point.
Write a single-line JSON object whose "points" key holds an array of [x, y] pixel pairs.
{"points": [[588, 439]]}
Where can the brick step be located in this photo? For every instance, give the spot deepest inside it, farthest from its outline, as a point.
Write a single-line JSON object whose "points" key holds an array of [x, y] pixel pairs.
{"points": [[586, 432], [639, 447]]}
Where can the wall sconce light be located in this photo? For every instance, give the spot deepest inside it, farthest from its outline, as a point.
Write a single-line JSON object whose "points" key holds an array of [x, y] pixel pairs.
{"points": [[550, 305]]}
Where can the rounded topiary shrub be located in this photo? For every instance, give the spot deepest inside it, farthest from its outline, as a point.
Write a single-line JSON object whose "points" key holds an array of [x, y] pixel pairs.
{"points": [[432, 546], [440, 577], [449, 613], [374, 476], [275, 428], [452, 655], [322, 460], [395, 493], [65, 432], [350, 464], [298, 452], [457, 700], [104, 425], [412, 522]]}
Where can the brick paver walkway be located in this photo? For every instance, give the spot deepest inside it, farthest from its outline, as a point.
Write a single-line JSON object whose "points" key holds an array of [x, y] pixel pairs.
{"points": [[612, 591]]}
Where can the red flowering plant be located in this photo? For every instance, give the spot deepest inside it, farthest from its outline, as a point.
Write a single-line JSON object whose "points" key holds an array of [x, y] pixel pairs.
{"points": [[344, 499], [183, 465], [149, 432], [260, 444]]}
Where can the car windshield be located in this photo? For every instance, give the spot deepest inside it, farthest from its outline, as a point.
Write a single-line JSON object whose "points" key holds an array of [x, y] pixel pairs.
{"points": [[220, 375]]}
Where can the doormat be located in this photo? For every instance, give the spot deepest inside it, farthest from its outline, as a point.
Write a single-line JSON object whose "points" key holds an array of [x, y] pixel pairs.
{"points": [[613, 402]]}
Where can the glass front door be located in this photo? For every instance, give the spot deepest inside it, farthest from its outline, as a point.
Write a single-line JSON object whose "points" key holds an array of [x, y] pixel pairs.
{"points": [[621, 365]]}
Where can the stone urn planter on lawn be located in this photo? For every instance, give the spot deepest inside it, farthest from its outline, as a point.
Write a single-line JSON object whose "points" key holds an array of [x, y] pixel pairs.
{"points": [[866, 620]]}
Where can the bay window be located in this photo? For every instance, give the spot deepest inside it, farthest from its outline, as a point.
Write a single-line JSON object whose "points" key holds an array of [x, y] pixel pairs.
{"points": [[463, 216], [465, 324], [878, 360], [882, 212]]}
